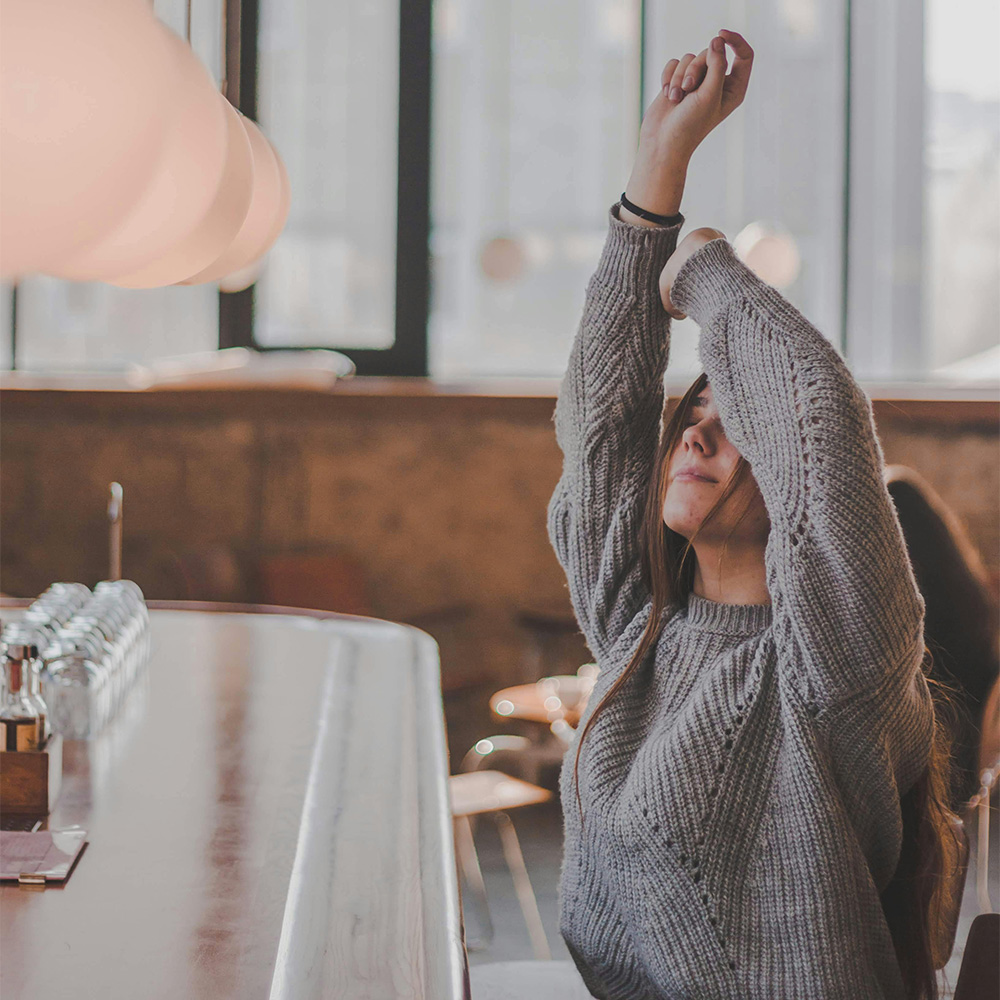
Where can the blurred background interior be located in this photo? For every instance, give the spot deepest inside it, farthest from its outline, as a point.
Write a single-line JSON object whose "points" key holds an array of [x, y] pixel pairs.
{"points": [[452, 164]]}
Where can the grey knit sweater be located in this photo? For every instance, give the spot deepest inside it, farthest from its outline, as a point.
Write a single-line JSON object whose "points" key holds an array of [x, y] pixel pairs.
{"points": [[741, 792]]}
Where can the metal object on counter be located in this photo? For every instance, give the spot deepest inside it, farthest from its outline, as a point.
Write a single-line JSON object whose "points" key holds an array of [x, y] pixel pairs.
{"points": [[115, 511], [23, 714]]}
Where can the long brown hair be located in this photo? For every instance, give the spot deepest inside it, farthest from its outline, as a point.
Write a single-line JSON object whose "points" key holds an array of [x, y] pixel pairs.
{"points": [[919, 900], [962, 613], [923, 897]]}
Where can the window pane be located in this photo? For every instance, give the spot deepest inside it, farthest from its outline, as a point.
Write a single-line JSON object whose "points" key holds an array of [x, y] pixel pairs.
{"points": [[772, 174], [67, 325], [535, 114], [962, 156], [6, 309], [328, 98]]}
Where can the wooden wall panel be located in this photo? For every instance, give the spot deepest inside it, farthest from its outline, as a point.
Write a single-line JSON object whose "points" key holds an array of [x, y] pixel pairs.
{"points": [[441, 498]]}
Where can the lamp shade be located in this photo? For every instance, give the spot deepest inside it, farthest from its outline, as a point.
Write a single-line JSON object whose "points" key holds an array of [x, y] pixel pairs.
{"points": [[84, 97], [182, 186], [218, 226], [284, 204], [241, 280], [237, 281], [770, 251], [251, 240]]}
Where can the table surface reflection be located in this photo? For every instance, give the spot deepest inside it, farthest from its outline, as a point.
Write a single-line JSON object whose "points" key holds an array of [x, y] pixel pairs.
{"points": [[268, 816]]}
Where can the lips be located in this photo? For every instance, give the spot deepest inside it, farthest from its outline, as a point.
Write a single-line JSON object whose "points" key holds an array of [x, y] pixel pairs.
{"points": [[691, 472]]}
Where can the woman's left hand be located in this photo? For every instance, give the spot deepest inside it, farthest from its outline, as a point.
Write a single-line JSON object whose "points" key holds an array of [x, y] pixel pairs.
{"points": [[687, 246], [704, 94]]}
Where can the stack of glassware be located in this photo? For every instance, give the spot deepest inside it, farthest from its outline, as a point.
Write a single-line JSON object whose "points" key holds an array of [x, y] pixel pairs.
{"points": [[93, 647]]}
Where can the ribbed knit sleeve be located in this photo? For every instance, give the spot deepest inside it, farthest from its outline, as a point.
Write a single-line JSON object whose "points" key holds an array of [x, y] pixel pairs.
{"points": [[607, 421], [838, 572]]}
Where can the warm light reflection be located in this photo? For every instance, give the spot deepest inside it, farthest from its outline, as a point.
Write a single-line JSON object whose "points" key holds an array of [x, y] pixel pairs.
{"points": [[770, 251], [504, 707], [484, 747], [552, 704], [506, 791]]}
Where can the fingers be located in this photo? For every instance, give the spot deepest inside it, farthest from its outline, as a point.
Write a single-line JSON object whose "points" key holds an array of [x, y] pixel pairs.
{"points": [[668, 73], [739, 77], [695, 72], [716, 71], [684, 75], [673, 86], [739, 44]]}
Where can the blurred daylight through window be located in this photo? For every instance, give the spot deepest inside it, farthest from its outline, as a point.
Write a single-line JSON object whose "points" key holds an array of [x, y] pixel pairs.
{"points": [[885, 184]]}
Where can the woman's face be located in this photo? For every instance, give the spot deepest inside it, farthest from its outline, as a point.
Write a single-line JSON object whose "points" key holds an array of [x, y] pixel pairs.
{"points": [[704, 451]]}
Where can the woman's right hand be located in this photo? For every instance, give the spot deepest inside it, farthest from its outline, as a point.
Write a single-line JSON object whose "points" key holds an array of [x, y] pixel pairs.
{"points": [[673, 127]]}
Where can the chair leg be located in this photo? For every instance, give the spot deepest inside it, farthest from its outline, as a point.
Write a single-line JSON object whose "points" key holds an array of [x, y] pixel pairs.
{"points": [[465, 846], [522, 884]]}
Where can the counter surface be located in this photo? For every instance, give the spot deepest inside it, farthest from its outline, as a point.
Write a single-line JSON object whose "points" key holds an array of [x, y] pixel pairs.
{"points": [[268, 816]]}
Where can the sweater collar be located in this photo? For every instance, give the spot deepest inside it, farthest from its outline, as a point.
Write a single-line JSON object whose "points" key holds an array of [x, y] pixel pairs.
{"points": [[727, 619]]}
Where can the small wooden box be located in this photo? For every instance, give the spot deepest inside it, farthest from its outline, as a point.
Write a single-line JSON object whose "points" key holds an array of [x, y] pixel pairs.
{"points": [[30, 779]]}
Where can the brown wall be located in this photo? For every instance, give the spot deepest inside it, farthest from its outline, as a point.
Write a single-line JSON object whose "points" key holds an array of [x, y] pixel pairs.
{"points": [[440, 499]]}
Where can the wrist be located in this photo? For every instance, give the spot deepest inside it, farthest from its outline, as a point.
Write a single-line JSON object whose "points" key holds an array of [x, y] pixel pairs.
{"points": [[637, 220], [658, 186], [660, 202], [666, 148], [637, 215]]}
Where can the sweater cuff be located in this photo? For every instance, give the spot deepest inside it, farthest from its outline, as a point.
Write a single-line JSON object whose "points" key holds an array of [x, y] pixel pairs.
{"points": [[710, 279], [634, 255]]}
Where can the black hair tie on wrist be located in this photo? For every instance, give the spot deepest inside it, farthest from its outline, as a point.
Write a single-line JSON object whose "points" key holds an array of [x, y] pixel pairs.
{"points": [[662, 220]]}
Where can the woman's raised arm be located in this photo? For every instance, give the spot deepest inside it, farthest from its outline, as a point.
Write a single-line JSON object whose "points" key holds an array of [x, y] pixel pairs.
{"points": [[840, 579], [607, 424], [607, 416]]}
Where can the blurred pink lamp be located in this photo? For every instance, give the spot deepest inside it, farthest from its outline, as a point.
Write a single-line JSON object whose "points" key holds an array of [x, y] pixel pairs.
{"points": [[236, 281], [180, 190], [85, 94], [217, 228], [770, 251], [252, 240]]}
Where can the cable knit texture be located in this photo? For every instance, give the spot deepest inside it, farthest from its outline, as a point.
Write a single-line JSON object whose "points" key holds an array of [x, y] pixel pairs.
{"points": [[741, 792]]}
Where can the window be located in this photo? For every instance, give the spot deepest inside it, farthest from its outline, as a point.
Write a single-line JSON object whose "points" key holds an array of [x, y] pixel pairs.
{"points": [[535, 120], [452, 163], [328, 88], [344, 90], [925, 168], [777, 163], [961, 304], [6, 325]]}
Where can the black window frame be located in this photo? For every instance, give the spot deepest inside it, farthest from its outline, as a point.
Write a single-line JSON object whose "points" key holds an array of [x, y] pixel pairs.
{"points": [[408, 353]]}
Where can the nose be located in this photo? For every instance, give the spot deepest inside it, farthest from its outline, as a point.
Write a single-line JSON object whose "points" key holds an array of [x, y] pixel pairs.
{"points": [[697, 437]]}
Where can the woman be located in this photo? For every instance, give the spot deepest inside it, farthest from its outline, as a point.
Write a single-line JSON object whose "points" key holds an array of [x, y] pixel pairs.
{"points": [[762, 730]]}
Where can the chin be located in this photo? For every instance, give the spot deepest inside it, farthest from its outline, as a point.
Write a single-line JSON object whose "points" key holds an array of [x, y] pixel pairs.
{"points": [[684, 526]]}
